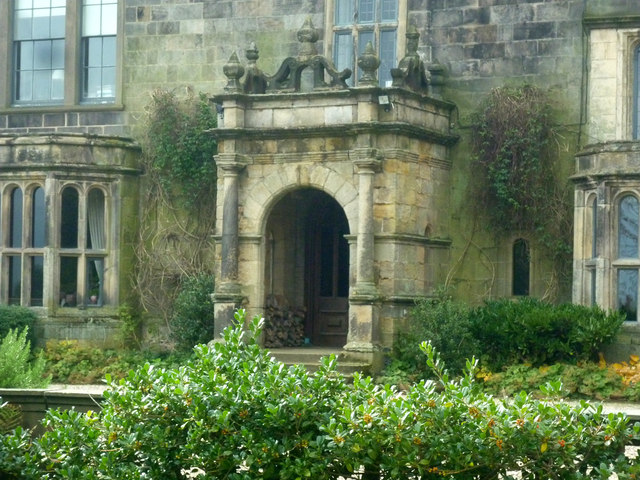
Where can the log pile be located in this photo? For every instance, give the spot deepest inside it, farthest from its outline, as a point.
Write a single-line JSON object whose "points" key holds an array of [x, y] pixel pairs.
{"points": [[284, 325]]}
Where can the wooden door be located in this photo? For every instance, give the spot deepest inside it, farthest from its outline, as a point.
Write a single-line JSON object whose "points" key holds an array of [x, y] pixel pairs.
{"points": [[328, 275]]}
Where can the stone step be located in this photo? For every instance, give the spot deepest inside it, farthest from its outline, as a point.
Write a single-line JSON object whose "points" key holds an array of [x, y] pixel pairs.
{"points": [[310, 357]]}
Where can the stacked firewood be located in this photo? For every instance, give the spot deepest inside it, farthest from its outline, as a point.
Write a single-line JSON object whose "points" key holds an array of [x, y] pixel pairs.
{"points": [[284, 325]]}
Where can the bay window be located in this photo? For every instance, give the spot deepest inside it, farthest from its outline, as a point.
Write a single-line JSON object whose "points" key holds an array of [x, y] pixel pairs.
{"points": [[55, 251]]}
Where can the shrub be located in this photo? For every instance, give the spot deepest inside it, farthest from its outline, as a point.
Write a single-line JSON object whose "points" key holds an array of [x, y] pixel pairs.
{"points": [[17, 318], [233, 412], [69, 362], [536, 332], [585, 380], [192, 320], [444, 323], [16, 368]]}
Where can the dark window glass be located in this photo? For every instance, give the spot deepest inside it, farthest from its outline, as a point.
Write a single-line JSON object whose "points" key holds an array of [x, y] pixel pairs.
{"points": [[38, 219], [628, 293], [628, 228], [594, 228], [68, 281], [69, 218], [521, 267], [15, 279], [16, 219], [37, 280], [95, 272], [636, 94]]}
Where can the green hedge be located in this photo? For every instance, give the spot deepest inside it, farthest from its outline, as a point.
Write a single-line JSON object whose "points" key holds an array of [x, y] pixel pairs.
{"points": [[236, 414], [537, 332]]}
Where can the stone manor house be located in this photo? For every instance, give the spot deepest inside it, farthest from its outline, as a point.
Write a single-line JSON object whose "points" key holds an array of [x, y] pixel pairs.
{"points": [[344, 156]]}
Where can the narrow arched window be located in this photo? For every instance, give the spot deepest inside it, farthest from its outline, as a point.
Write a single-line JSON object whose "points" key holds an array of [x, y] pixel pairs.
{"points": [[628, 227], [636, 93], [15, 226], [69, 218], [594, 228], [38, 219], [95, 220], [521, 267]]}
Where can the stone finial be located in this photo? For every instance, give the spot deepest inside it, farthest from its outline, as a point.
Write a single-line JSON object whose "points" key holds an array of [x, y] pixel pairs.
{"points": [[233, 70], [252, 53], [308, 36], [255, 80], [369, 63]]}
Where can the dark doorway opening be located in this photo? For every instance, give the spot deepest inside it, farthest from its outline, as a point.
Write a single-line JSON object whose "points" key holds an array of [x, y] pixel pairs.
{"points": [[307, 263], [327, 272]]}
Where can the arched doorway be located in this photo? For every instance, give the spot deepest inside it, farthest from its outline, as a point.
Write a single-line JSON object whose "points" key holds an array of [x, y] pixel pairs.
{"points": [[307, 262]]}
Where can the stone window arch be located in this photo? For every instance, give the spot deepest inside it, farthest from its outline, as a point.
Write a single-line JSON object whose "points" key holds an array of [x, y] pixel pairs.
{"points": [[84, 245], [636, 90], [23, 244], [590, 251], [627, 257]]}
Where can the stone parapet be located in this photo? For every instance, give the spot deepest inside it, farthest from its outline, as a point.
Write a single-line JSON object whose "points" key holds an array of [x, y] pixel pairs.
{"points": [[59, 150]]}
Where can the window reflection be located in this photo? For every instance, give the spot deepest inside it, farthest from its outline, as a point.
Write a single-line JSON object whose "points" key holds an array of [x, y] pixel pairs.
{"points": [[628, 293], [628, 228]]}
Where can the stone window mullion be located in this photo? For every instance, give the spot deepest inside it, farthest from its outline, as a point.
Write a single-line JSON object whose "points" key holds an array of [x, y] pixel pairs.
{"points": [[72, 53]]}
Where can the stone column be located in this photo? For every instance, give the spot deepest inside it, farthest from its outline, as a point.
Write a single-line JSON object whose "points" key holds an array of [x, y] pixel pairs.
{"points": [[228, 293], [363, 312]]}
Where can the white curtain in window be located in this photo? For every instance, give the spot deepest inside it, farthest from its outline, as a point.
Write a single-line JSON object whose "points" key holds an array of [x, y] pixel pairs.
{"points": [[95, 214]]}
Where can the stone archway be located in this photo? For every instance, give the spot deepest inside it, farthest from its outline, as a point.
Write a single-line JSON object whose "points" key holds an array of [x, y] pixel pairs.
{"points": [[307, 263]]}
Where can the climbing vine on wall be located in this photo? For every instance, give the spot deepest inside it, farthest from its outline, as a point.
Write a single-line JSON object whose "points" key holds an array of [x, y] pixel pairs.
{"points": [[179, 150], [179, 197], [516, 170]]}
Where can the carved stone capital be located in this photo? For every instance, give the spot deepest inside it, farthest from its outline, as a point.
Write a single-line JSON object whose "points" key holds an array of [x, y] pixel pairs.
{"points": [[368, 160], [231, 163]]}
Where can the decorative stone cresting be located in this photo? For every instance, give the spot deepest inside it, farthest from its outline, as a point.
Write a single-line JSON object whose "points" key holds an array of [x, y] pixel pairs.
{"points": [[288, 78]]}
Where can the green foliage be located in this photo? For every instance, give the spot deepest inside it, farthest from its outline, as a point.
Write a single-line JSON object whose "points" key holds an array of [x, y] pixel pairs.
{"points": [[233, 412], [69, 362], [17, 318], [130, 325], [537, 332], [17, 369], [511, 135], [192, 320], [516, 182], [584, 380], [10, 417], [179, 150], [443, 322]]}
